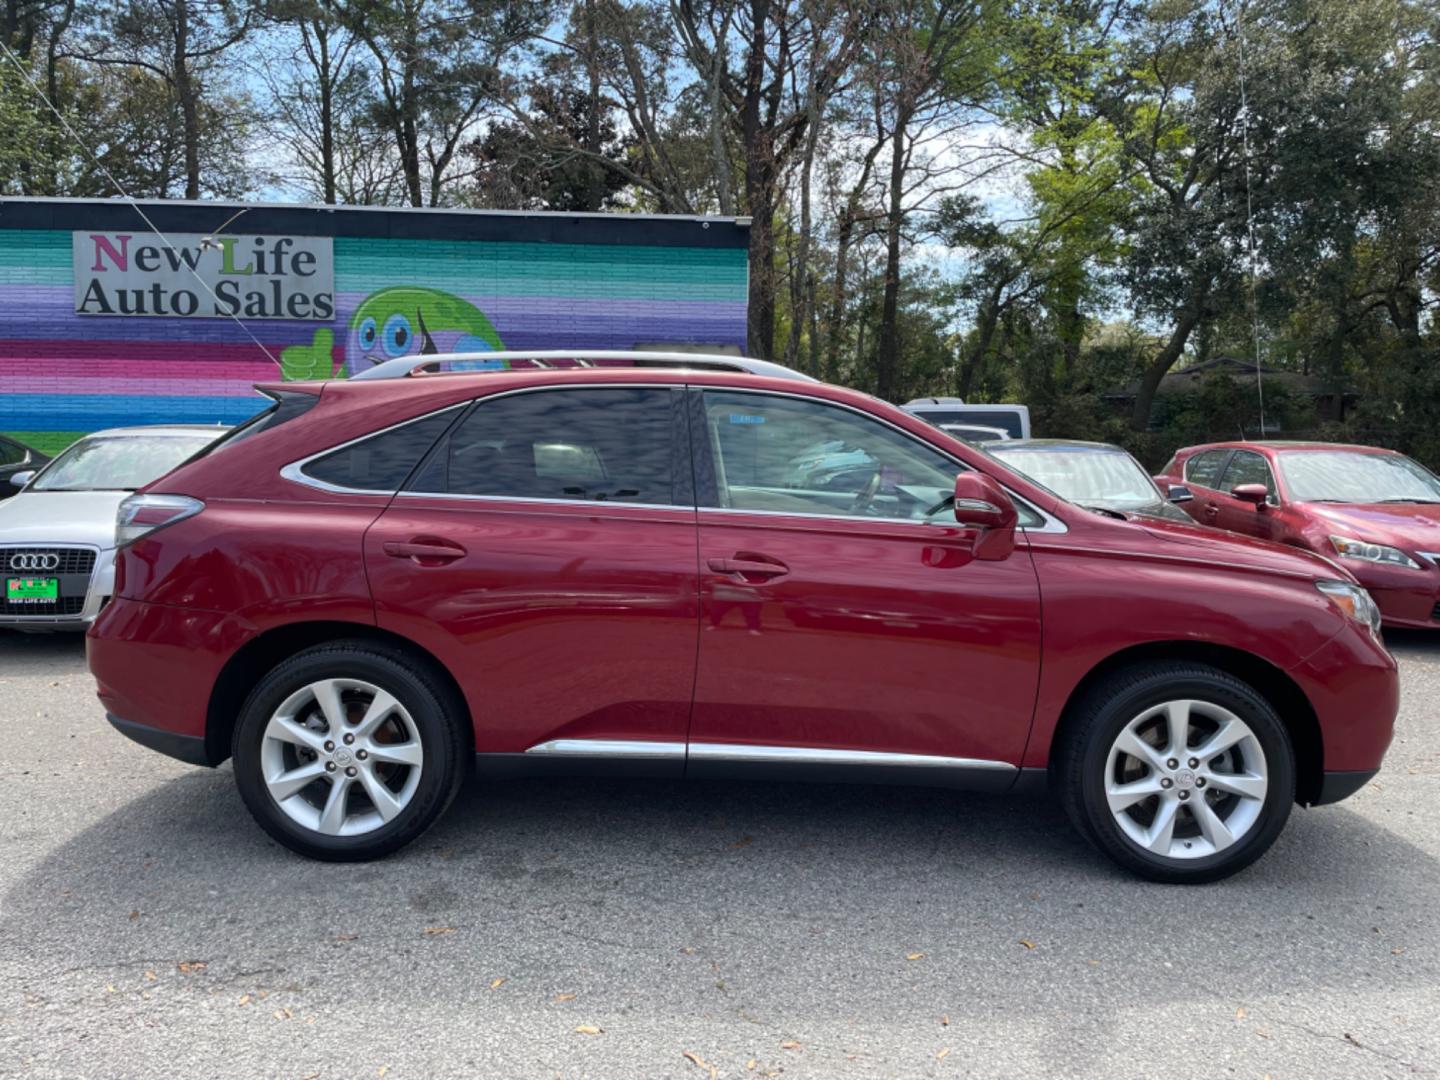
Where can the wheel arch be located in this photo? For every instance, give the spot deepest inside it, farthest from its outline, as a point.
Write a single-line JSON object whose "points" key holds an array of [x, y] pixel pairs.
{"points": [[1282, 692], [263, 652]]}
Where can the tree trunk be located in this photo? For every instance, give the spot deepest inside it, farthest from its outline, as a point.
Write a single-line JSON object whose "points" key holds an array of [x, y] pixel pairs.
{"points": [[989, 318], [327, 111], [888, 355], [185, 94], [1163, 362], [801, 280]]}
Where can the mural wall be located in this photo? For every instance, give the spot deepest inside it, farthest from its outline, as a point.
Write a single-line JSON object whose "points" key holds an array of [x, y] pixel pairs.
{"points": [[96, 330]]}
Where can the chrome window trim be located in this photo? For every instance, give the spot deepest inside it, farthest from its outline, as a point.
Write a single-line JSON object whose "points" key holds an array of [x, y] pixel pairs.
{"points": [[815, 755], [634, 749], [295, 473], [1051, 524]]}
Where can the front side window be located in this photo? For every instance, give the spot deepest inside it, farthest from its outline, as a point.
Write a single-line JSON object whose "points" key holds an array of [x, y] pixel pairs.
{"points": [[1248, 467], [610, 444], [1204, 468], [1351, 477], [381, 462], [796, 456], [11, 453], [119, 462]]}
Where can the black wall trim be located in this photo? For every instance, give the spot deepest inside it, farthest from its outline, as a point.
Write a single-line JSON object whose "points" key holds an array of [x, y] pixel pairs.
{"points": [[391, 224]]}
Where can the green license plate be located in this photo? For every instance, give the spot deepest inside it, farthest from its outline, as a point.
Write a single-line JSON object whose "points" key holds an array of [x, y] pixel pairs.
{"points": [[38, 590]]}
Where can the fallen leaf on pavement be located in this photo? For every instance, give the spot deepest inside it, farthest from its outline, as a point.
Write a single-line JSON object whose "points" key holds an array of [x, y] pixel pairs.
{"points": [[134, 914], [945, 1021], [495, 984], [1027, 943], [436, 931], [1240, 1013], [564, 997], [941, 1055], [587, 1029], [151, 976], [244, 999], [697, 1060], [346, 937], [187, 966], [789, 1044], [915, 956], [382, 1070], [750, 1065]]}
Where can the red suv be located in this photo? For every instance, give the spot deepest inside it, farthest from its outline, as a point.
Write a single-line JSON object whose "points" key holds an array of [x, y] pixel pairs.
{"points": [[1375, 511], [666, 571]]}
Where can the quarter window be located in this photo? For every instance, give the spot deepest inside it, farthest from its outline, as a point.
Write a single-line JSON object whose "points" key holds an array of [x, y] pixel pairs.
{"points": [[1204, 468], [790, 455], [383, 461], [592, 445]]}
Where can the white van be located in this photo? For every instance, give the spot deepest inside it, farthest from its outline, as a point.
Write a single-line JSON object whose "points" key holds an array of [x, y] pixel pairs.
{"points": [[1014, 420]]}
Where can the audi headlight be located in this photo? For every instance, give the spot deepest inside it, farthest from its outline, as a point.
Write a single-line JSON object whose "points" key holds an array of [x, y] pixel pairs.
{"points": [[1353, 601], [1351, 548]]}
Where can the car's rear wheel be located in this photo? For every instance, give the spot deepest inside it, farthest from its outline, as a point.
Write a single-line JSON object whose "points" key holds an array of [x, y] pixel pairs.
{"points": [[347, 751], [1179, 772]]}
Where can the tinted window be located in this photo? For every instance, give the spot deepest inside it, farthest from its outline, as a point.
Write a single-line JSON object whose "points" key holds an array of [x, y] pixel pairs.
{"points": [[1005, 419], [383, 461], [10, 453], [1204, 468], [1247, 467], [602, 445], [288, 405], [788, 455]]}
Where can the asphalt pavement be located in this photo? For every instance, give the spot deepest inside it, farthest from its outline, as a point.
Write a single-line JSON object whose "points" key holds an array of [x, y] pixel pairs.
{"points": [[607, 929]]}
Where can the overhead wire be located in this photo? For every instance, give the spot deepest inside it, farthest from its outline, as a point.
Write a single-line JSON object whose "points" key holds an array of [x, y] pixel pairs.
{"points": [[134, 204]]}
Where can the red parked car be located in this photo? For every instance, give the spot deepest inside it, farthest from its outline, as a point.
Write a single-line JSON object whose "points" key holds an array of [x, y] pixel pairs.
{"points": [[378, 585], [1374, 511]]}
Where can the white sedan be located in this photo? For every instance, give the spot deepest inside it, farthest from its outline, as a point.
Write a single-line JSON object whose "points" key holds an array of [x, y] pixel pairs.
{"points": [[57, 537]]}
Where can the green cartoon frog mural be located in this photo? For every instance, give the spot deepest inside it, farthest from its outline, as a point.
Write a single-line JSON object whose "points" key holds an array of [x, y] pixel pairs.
{"points": [[407, 320]]}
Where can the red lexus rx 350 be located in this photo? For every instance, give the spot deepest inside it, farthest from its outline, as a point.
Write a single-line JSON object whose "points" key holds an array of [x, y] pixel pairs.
{"points": [[1375, 511], [378, 585]]}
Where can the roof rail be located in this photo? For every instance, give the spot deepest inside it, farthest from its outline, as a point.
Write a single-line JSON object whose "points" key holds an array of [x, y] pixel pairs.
{"points": [[474, 362]]}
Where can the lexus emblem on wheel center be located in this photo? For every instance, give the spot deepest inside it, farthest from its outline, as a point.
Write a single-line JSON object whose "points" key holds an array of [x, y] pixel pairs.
{"points": [[34, 562]]}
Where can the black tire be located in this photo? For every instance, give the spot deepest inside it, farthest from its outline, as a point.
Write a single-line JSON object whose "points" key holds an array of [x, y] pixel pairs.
{"points": [[439, 725], [1097, 720]]}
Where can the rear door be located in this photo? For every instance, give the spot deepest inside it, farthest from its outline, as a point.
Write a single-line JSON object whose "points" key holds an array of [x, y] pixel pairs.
{"points": [[843, 625], [545, 552], [1202, 477]]}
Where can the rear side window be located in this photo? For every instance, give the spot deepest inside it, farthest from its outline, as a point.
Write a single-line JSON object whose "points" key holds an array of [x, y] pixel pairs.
{"points": [[383, 461], [592, 445], [1204, 468], [288, 405]]}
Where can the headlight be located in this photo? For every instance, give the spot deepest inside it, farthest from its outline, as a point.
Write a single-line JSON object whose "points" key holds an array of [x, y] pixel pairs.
{"points": [[1376, 553], [1354, 601]]}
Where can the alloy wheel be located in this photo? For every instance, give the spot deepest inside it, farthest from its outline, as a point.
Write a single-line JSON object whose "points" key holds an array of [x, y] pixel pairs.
{"points": [[341, 757], [1185, 779]]}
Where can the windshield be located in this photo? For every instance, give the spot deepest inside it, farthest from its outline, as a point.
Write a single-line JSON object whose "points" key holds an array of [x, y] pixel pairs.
{"points": [[118, 462], [1350, 477], [1107, 477]]}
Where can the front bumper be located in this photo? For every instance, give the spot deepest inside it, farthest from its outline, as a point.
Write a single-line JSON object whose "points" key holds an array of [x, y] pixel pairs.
{"points": [[97, 592], [1353, 685], [1405, 597]]}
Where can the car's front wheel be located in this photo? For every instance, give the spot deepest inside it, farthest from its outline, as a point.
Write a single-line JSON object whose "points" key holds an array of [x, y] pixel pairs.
{"points": [[347, 752], [1178, 771]]}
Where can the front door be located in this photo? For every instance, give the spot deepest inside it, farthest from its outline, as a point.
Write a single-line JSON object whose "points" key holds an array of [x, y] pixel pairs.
{"points": [[1237, 515], [545, 552], [844, 619]]}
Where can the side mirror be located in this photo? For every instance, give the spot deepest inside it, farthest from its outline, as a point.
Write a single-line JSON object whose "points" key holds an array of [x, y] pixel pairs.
{"points": [[981, 503], [1178, 493], [1255, 494], [20, 479]]}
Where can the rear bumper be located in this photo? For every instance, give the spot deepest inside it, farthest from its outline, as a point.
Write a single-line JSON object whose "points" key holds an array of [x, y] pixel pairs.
{"points": [[1341, 785], [187, 748], [155, 668]]}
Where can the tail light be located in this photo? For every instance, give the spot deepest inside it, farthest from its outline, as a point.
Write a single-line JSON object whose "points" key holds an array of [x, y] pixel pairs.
{"points": [[140, 515]]}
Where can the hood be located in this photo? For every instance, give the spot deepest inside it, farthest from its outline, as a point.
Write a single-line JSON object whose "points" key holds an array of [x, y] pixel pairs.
{"points": [[1213, 546], [1412, 526], [61, 517]]}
